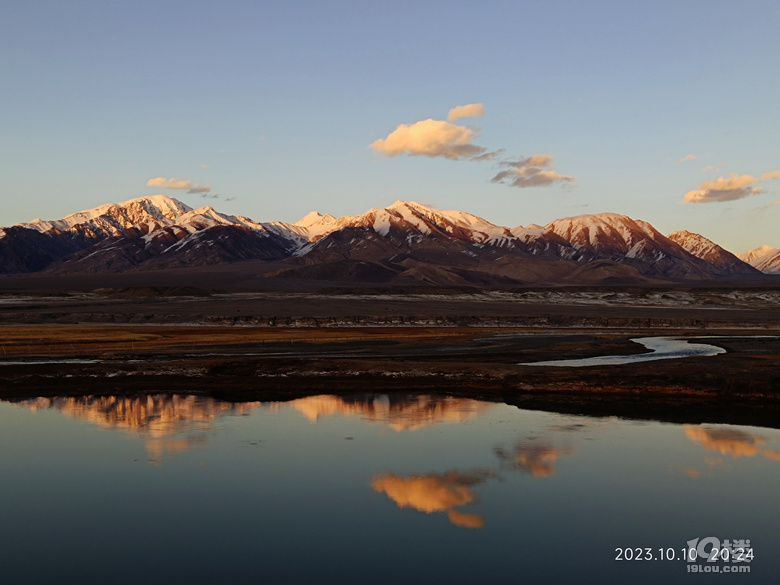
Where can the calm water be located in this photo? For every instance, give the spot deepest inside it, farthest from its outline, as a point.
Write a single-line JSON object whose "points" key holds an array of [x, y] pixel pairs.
{"points": [[661, 348], [177, 489]]}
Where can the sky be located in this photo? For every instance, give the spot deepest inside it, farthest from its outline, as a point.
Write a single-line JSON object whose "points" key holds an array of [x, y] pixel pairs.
{"points": [[519, 112]]}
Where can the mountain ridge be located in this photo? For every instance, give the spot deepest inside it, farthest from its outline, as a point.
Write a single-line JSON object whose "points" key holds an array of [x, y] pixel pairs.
{"points": [[764, 258], [404, 242]]}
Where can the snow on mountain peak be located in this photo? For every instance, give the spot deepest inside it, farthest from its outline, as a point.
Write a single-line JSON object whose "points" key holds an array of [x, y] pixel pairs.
{"points": [[603, 230], [314, 218], [112, 218], [756, 254], [764, 258]]}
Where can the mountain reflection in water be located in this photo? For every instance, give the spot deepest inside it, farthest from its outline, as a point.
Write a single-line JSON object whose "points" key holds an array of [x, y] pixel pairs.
{"points": [[400, 413], [161, 415], [152, 415], [427, 489]]}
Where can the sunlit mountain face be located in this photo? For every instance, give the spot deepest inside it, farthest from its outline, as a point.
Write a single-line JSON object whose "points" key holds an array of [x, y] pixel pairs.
{"points": [[404, 242]]}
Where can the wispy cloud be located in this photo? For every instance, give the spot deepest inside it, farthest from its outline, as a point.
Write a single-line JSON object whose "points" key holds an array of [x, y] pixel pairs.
{"points": [[687, 158], [467, 111], [174, 183], [729, 188], [533, 171], [444, 139]]}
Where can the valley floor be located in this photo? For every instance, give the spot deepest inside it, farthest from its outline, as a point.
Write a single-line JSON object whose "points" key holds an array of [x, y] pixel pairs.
{"points": [[277, 345]]}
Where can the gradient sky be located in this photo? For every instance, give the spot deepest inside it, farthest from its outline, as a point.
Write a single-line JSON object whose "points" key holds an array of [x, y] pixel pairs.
{"points": [[269, 109]]}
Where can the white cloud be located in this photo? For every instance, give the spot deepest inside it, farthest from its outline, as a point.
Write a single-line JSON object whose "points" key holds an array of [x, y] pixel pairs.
{"points": [[729, 188], [439, 138], [467, 111], [688, 157], [174, 183], [433, 138]]}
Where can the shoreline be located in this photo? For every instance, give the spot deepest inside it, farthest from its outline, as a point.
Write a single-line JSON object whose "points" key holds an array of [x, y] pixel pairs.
{"points": [[741, 386], [470, 343]]}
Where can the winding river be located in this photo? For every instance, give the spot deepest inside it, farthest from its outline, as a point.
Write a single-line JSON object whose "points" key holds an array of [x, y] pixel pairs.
{"points": [[661, 348]]}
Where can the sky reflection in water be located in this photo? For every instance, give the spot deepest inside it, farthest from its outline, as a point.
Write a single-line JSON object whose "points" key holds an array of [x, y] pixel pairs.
{"points": [[398, 488]]}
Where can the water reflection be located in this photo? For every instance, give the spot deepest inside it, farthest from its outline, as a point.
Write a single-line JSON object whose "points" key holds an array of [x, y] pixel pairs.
{"points": [[446, 492], [151, 415], [434, 492], [158, 418], [728, 441], [247, 496], [161, 415], [536, 459], [399, 412]]}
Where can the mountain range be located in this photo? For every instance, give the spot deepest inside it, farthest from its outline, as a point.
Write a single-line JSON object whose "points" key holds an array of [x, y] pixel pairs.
{"points": [[406, 242]]}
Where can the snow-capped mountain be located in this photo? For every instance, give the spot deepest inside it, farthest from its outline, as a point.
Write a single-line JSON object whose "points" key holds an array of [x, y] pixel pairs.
{"points": [[708, 250], [766, 259], [151, 231], [405, 242], [632, 242], [113, 218]]}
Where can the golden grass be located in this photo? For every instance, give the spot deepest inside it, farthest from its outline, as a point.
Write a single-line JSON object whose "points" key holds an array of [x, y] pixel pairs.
{"points": [[87, 339]]}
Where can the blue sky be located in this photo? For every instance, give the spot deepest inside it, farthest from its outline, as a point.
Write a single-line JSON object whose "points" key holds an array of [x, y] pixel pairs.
{"points": [[273, 107]]}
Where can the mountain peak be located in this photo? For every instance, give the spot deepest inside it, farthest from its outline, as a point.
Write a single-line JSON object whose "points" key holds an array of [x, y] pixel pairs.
{"points": [[764, 258], [406, 240], [708, 250], [113, 217], [313, 218]]}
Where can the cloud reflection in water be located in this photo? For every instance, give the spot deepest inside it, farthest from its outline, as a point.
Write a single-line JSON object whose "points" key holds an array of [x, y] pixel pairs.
{"points": [[434, 492]]}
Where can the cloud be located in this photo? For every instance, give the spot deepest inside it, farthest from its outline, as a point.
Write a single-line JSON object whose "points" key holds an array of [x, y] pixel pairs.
{"points": [[688, 157], [724, 189], [439, 138], [533, 171], [433, 138], [770, 175], [467, 111], [174, 183]]}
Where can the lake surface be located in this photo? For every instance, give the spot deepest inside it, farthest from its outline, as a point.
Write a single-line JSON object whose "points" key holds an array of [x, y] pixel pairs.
{"points": [[370, 489]]}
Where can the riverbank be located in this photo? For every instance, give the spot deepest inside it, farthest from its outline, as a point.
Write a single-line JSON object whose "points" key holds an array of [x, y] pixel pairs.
{"points": [[741, 386]]}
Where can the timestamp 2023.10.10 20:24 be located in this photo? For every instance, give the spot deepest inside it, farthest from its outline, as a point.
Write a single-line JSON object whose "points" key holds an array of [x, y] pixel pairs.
{"points": [[710, 549]]}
